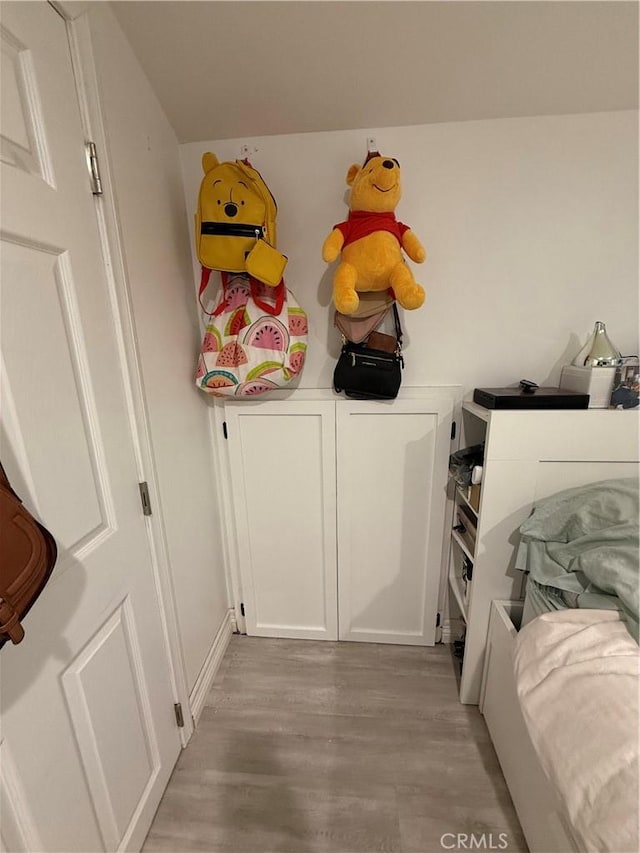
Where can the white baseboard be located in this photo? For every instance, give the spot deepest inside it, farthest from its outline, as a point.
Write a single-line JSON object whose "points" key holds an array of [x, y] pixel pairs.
{"points": [[452, 629], [212, 662]]}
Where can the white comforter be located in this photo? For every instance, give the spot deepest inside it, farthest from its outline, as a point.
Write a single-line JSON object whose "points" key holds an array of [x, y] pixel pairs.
{"points": [[577, 673]]}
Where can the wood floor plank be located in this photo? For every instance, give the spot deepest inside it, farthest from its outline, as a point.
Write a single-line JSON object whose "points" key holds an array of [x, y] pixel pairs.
{"points": [[335, 748], [263, 813]]}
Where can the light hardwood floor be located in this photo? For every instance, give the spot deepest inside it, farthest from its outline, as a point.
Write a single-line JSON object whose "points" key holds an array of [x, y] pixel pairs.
{"points": [[336, 748]]}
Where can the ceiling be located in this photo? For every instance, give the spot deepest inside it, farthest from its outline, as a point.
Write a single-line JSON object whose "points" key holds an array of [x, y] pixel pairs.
{"points": [[227, 70]]}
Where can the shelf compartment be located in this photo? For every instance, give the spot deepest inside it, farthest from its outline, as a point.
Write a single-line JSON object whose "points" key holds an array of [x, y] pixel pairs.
{"points": [[469, 524], [460, 541], [457, 587], [460, 586], [460, 492]]}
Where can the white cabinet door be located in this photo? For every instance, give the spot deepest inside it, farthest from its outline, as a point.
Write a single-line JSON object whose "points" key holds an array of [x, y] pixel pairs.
{"points": [[282, 459], [89, 738], [392, 472]]}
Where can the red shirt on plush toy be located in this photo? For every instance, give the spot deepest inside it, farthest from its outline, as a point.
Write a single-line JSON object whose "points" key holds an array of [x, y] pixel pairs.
{"points": [[372, 240]]}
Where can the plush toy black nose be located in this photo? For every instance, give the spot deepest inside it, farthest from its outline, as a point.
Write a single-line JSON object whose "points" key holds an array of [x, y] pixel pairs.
{"points": [[231, 209], [388, 164]]}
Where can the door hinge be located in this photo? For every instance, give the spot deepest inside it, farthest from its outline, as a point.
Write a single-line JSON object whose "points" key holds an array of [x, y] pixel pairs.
{"points": [[144, 497], [437, 620], [242, 607], [224, 429], [453, 430], [179, 715], [94, 168]]}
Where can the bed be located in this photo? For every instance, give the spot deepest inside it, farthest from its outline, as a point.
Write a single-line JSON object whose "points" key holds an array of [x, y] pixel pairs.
{"points": [[561, 679]]}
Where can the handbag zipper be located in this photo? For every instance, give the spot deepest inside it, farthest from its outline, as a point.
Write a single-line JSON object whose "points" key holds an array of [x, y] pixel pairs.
{"points": [[231, 229], [355, 355]]}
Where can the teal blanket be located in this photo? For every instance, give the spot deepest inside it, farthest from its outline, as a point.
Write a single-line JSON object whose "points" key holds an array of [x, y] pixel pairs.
{"points": [[584, 541]]}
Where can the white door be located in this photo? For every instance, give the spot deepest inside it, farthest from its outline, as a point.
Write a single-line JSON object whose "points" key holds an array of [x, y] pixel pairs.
{"points": [[392, 475], [88, 729], [282, 459]]}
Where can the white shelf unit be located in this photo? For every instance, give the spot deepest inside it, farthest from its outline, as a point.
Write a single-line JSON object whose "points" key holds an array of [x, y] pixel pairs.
{"points": [[461, 549], [529, 454]]}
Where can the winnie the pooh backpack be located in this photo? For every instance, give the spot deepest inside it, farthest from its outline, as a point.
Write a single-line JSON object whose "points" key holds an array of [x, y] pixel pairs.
{"points": [[256, 337], [235, 225]]}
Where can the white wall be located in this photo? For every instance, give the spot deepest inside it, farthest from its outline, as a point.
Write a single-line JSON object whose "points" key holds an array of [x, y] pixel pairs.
{"points": [[143, 153], [530, 225]]}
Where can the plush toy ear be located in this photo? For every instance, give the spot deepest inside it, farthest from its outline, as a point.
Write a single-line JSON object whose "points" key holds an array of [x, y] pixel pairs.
{"points": [[209, 162], [352, 174]]}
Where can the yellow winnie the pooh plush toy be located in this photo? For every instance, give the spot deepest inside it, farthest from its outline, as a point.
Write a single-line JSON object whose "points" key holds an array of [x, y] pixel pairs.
{"points": [[372, 240]]}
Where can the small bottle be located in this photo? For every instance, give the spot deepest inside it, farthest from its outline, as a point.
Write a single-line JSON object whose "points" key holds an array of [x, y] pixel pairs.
{"points": [[598, 351]]}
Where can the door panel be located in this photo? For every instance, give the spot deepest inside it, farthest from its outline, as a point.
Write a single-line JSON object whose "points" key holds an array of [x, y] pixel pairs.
{"points": [[87, 704], [23, 140], [283, 478], [102, 683], [392, 463], [50, 362]]}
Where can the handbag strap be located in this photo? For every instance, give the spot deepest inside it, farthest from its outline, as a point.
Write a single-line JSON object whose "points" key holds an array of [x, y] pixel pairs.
{"points": [[273, 309], [204, 281], [279, 291], [396, 319]]}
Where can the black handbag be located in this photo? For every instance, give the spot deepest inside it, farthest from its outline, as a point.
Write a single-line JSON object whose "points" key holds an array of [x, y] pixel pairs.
{"points": [[364, 373]]}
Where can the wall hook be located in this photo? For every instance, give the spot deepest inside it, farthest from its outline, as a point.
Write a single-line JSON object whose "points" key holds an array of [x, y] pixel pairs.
{"points": [[372, 149]]}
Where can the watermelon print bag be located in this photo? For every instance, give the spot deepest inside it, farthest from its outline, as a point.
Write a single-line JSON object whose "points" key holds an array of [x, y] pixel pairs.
{"points": [[256, 340]]}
